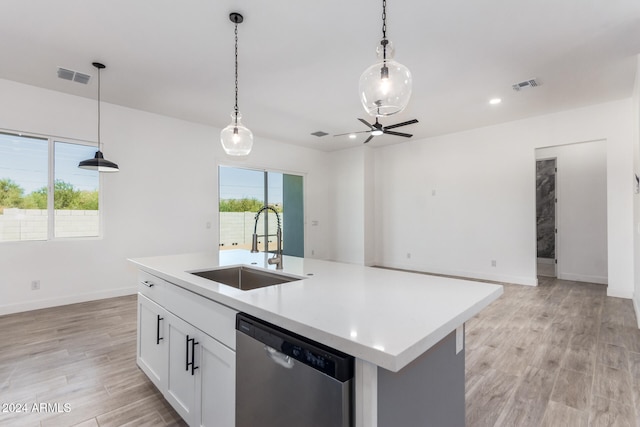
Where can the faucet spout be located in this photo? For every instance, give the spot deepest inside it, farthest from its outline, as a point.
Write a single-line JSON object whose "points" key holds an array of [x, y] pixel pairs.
{"points": [[277, 257]]}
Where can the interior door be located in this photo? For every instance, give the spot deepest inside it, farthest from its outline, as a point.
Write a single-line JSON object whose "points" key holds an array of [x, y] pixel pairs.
{"points": [[546, 224]]}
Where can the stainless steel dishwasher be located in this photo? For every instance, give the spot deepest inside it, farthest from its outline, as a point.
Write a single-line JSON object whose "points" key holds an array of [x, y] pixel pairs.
{"points": [[283, 379]]}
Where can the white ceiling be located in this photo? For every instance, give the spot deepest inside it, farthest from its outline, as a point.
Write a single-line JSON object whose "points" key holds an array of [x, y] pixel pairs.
{"points": [[300, 60]]}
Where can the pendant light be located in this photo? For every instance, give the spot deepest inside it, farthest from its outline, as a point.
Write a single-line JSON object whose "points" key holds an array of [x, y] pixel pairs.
{"points": [[236, 139], [98, 162], [385, 87]]}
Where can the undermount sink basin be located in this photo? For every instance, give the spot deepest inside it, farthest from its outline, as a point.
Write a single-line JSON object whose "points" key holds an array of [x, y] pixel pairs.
{"points": [[245, 278]]}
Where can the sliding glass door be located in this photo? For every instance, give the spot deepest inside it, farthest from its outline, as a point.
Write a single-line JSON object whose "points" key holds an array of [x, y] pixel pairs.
{"points": [[243, 192]]}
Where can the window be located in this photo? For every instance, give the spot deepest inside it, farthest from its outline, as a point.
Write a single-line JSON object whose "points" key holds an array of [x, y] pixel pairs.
{"points": [[243, 192], [43, 193]]}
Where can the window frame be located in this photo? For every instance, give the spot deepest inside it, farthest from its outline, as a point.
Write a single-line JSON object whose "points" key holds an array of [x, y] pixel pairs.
{"points": [[51, 176]]}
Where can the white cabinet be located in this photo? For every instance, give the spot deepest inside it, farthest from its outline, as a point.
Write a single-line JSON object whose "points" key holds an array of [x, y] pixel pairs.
{"points": [[151, 343], [216, 384], [181, 384], [195, 370], [201, 380]]}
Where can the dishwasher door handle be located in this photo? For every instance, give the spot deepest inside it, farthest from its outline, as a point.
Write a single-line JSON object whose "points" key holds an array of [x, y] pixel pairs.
{"points": [[280, 358]]}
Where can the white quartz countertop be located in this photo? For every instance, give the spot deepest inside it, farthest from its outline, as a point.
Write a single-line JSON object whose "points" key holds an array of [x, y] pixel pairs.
{"points": [[385, 317]]}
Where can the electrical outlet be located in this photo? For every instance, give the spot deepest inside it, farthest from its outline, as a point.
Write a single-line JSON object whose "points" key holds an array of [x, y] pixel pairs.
{"points": [[35, 285], [208, 224], [408, 255], [493, 263]]}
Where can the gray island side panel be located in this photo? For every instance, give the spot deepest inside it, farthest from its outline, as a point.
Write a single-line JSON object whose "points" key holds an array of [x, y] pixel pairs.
{"points": [[427, 392]]}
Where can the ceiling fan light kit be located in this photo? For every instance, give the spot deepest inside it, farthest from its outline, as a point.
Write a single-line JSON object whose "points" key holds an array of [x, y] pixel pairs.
{"points": [[377, 129], [385, 87], [236, 139], [98, 162]]}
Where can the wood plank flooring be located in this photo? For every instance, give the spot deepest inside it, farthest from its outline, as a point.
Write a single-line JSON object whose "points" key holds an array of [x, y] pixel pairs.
{"points": [[84, 356], [560, 354]]}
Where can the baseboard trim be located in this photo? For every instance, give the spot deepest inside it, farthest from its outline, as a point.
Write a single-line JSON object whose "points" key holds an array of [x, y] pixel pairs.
{"points": [[619, 294], [55, 302], [516, 280], [582, 278]]}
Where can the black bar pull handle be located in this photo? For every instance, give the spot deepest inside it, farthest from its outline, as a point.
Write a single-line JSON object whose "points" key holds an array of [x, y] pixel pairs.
{"points": [[187, 355], [193, 356], [158, 337]]}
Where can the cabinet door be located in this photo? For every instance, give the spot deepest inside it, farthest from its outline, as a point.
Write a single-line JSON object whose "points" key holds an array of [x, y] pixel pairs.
{"points": [[216, 383], [183, 367], [151, 344]]}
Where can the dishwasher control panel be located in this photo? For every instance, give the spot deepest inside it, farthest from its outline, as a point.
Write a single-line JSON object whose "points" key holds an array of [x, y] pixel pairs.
{"points": [[316, 355]]}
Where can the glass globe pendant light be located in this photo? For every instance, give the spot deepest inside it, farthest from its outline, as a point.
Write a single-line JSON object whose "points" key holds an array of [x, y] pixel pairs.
{"points": [[236, 139], [385, 87]]}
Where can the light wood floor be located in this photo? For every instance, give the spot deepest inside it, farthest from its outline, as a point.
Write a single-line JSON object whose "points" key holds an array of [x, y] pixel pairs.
{"points": [[560, 354], [83, 355]]}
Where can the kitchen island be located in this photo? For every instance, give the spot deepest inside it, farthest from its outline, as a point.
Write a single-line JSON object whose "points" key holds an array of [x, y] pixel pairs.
{"points": [[405, 330]]}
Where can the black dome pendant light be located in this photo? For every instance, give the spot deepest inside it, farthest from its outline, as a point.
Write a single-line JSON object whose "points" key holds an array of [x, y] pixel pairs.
{"points": [[98, 162]]}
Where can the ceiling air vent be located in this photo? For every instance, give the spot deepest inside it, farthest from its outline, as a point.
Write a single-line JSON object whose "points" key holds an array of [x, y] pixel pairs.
{"points": [[319, 133], [525, 84], [75, 76]]}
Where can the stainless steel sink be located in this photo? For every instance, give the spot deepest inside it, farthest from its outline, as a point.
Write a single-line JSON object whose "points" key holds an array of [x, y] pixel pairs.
{"points": [[245, 278]]}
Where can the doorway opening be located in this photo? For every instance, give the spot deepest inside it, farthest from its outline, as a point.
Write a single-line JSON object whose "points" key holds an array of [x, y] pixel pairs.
{"points": [[546, 225], [243, 192], [571, 211]]}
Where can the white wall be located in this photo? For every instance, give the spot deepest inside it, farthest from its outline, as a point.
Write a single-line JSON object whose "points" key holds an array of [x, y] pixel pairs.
{"points": [[454, 202], [159, 203], [348, 205], [581, 191], [369, 214], [636, 198], [475, 194]]}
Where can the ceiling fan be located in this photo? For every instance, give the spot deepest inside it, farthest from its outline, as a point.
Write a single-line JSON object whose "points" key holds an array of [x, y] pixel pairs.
{"points": [[377, 129]]}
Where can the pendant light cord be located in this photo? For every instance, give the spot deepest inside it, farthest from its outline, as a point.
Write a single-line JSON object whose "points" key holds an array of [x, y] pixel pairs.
{"points": [[384, 41], [384, 19], [236, 106], [99, 145]]}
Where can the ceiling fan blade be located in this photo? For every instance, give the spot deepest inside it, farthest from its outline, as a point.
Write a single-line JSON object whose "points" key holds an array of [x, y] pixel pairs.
{"points": [[366, 123], [368, 139], [406, 135], [349, 133], [397, 125]]}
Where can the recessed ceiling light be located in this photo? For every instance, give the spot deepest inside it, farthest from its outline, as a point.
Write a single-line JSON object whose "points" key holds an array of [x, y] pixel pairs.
{"points": [[495, 101], [352, 136]]}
